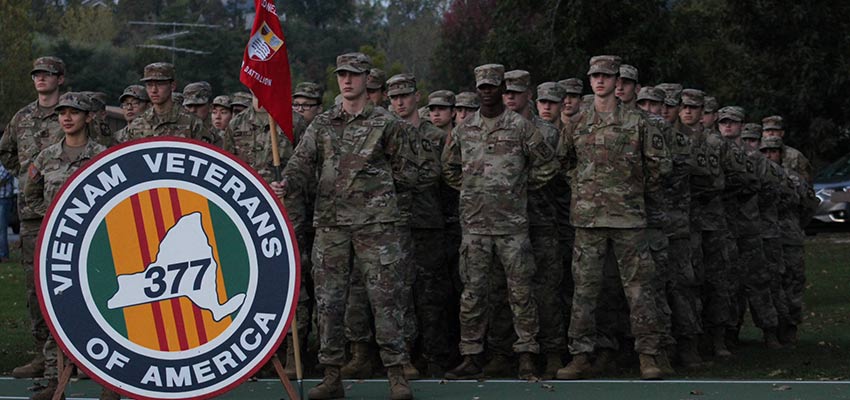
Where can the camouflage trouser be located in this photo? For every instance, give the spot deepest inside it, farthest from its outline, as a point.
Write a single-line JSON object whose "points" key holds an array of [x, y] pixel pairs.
{"points": [[50, 351], [304, 308], [659, 246], [378, 252], [480, 257], [612, 313], [547, 286], [431, 293], [29, 235], [566, 240], [636, 274], [756, 283], [775, 261], [794, 282], [712, 273], [358, 311], [735, 276], [684, 296]]}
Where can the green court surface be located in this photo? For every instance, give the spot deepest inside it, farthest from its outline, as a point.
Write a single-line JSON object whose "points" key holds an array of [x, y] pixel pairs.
{"points": [[504, 389]]}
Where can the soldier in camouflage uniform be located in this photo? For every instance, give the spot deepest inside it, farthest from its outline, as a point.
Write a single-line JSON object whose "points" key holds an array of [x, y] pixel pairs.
{"points": [[543, 234], [307, 100], [710, 253], [709, 114], [755, 288], [360, 154], [165, 117], [548, 109], [46, 174], [791, 157], [376, 87], [240, 101], [466, 104], [441, 110], [431, 277], [672, 101], [222, 113], [794, 214], [493, 158], [31, 130], [613, 163], [134, 101], [628, 85], [99, 129]]}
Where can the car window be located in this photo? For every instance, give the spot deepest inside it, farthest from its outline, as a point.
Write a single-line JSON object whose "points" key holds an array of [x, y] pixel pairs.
{"points": [[839, 170]]}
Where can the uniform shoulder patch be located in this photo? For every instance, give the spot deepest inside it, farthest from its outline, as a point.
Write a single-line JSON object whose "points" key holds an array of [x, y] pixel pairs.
{"points": [[657, 141]]}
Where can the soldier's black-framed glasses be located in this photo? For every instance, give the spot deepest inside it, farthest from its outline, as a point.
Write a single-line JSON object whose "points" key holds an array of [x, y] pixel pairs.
{"points": [[304, 106]]}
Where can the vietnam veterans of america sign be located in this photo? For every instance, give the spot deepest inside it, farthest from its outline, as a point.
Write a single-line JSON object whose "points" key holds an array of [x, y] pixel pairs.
{"points": [[166, 269]]}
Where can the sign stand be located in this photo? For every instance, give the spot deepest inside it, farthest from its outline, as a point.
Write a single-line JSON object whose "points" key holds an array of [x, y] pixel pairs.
{"points": [[65, 371]]}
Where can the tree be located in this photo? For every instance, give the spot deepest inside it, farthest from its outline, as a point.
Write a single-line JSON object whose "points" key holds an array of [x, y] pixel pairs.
{"points": [[15, 58], [464, 26]]}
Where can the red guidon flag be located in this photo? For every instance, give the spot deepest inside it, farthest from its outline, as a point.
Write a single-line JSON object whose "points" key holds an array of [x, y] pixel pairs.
{"points": [[265, 66]]}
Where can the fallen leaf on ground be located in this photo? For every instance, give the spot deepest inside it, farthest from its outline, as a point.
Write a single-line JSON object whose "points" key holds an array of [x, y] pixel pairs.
{"points": [[781, 388]]}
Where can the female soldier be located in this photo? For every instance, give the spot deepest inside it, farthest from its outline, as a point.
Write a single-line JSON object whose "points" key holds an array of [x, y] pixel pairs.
{"points": [[50, 169]]}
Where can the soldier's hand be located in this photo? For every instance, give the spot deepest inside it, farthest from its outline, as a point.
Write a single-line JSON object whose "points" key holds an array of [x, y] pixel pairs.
{"points": [[279, 188]]}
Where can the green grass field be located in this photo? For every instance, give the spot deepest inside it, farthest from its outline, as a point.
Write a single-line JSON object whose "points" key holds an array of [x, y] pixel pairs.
{"points": [[821, 355]]}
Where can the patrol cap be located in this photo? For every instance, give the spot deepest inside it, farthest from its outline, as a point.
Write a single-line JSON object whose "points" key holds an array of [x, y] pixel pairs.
{"points": [[51, 64], [489, 74], [467, 100], [98, 100], [629, 72], [222, 101], [401, 84], [550, 91], [358, 63], [77, 100], [609, 65], [158, 71], [693, 97], [377, 79], [772, 123], [441, 98], [710, 105], [135, 91], [243, 99], [197, 93], [751, 131], [773, 142], [672, 93], [730, 112], [572, 86], [517, 80], [177, 97], [309, 90], [651, 93]]}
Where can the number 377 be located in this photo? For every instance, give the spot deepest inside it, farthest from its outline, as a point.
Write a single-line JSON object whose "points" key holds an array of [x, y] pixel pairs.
{"points": [[157, 275]]}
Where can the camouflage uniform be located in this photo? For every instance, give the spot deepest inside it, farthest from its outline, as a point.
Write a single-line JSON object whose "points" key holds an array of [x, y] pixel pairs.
{"points": [[791, 158], [137, 92], [46, 174], [355, 162], [99, 129], [609, 213], [493, 167], [31, 130]]}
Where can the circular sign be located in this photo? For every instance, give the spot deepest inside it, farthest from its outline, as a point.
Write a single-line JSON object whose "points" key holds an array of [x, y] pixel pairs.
{"points": [[166, 269]]}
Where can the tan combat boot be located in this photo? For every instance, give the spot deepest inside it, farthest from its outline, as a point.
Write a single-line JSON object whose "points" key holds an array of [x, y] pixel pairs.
{"points": [[330, 387], [289, 367], [410, 371], [47, 392], [32, 369], [718, 342], [360, 366], [604, 360], [688, 353], [468, 369], [771, 340], [553, 363], [578, 368], [649, 368], [526, 367], [107, 394], [499, 366], [399, 388], [663, 362]]}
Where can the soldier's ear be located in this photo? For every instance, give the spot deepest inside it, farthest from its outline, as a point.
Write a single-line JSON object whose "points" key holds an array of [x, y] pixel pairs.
{"points": [[61, 79], [637, 87], [89, 117], [173, 86]]}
